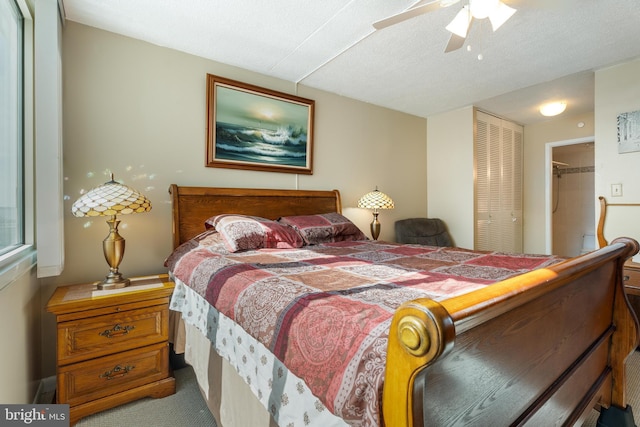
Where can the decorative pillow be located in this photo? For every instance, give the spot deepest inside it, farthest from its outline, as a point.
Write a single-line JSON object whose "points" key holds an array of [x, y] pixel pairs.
{"points": [[324, 228], [240, 232]]}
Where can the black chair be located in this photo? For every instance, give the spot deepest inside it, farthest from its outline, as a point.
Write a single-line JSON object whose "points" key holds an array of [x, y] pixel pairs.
{"points": [[423, 231]]}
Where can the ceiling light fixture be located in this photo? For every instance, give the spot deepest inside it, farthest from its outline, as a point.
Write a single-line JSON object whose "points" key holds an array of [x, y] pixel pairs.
{"points": [[497, 12], [481, 9], [553, 108]]}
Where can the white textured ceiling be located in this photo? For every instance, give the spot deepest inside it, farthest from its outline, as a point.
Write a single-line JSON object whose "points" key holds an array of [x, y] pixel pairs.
{"points": [[547, 50]]}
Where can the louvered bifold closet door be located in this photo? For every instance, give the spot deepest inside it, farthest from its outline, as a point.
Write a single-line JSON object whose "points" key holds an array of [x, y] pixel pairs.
{"points": [[511, 188], [488, 173], [482, 205], [498, 186]]}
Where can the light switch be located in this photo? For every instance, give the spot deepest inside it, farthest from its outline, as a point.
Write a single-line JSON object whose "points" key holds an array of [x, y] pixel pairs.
{"points": [[616, 190]]}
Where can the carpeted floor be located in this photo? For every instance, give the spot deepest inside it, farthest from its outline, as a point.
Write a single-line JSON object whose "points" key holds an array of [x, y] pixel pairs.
{"points": [[633, 390], [187, 407], [184, 408]]}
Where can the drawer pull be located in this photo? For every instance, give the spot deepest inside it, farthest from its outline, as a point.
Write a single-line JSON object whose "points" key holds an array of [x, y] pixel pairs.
{"points": [[625, 278], [116, 372], [117, 331]]}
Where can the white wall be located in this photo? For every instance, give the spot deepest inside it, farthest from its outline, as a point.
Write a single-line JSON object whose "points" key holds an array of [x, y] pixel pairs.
{"points": [[139, 110], [450, 173], [617, 91]]}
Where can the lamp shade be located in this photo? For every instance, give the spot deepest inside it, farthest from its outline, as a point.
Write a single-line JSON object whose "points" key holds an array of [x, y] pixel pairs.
{"points": [[481, 9], [375, 200], [460, 24], [111, 198]]}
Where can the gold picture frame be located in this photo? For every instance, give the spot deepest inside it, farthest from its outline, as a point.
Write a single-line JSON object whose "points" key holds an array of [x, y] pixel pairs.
{"points": [[253, 128]]}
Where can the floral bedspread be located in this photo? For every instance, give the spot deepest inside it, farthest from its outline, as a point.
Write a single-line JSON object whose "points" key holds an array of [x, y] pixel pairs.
{"points": [[324, 311]]}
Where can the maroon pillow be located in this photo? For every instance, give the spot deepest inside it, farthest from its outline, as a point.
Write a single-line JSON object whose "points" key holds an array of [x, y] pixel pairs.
{"points": [[324, 228], [240, 232]]}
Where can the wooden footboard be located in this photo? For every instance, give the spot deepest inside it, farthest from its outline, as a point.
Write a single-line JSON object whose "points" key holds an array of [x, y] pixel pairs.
{"points": [[540, 349]]}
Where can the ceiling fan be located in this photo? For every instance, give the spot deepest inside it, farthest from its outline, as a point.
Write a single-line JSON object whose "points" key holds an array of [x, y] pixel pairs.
{"points": [[497, 12]]}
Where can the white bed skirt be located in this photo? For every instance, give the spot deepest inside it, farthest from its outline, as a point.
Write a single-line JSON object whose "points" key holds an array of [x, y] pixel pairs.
{"points": [[212, 371]]}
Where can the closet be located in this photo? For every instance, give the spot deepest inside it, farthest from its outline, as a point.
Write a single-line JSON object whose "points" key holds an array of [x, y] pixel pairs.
{"points": [[498, 149]]}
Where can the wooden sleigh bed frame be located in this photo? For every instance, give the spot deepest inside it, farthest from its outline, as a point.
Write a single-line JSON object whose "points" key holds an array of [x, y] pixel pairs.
{"points": [[561, 334]]}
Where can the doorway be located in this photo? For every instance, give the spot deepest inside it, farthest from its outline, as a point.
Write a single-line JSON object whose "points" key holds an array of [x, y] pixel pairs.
{"points": [[570, 194]]}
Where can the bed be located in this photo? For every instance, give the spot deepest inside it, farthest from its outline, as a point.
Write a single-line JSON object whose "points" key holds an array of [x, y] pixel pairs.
{"points": [[541, 347]]}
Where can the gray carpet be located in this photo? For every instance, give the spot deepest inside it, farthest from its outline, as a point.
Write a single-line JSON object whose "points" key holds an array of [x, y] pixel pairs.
{"points": [[184, 408], [187, 407], [633, 391]]}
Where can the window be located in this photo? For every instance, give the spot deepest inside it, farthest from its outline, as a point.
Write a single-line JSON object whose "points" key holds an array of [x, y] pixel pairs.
{"points": [[11, 127], [17, 251]]}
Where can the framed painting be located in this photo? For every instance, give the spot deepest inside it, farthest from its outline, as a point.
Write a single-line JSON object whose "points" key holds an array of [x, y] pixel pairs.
{"points": [[249, 127], [629, 132]]}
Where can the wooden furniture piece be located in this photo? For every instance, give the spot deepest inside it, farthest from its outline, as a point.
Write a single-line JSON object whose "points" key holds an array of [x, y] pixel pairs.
{"points": [[631, 274], [632, 285], [542, 348], [112, 345]]}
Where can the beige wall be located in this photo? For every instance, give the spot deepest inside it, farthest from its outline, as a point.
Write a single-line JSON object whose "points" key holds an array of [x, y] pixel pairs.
{"points": [[20, 309], [617, 91], [139, 110], [450, 173]]}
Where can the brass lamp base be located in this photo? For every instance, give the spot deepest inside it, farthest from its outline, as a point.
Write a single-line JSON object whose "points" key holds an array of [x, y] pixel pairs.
{"points": [[113, 247], [375, 226], [114, 281]]}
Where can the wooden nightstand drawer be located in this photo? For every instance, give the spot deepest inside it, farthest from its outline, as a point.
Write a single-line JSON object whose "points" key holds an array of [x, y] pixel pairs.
{"points": [[101, 335], [632, 280], [86, 381]]}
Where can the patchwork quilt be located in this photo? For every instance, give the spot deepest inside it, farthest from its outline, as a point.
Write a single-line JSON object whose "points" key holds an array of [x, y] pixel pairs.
{"points": [[324, 310]]}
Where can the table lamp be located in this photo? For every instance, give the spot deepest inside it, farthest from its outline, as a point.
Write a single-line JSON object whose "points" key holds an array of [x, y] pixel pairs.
{"points": [[375, 200], [111, 199]]}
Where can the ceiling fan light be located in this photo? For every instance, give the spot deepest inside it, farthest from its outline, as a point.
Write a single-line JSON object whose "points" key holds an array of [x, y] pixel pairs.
{"points": [[553, 108], [460, 24], [500, 15], [481, 9]]}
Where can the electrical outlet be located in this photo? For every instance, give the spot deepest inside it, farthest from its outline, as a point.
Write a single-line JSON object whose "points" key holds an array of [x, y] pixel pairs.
{"points": [[616, 190]]}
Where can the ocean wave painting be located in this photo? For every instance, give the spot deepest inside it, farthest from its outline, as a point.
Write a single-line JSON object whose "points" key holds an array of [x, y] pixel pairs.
{"points": [[283, 146], [259, 129]]}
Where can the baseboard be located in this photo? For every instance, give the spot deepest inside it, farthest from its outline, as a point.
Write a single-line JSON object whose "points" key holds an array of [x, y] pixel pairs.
{"points": [[46, 391]]}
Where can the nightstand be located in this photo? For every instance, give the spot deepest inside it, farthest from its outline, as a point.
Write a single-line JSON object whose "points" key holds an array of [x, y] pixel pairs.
{"points": [[112, 345], [632, 285]]}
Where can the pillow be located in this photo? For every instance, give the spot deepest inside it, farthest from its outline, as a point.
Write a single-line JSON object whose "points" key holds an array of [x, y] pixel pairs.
{"points": [[240, 232], [324, 228]]}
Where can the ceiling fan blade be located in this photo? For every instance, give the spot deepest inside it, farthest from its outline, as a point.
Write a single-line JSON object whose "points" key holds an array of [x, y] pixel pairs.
{"points": [[420, 8], [500, 15], [455, 43], [461, 23]]}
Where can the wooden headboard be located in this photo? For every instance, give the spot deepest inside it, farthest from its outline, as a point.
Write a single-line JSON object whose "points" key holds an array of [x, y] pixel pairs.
{"points": [[192, 206]]}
